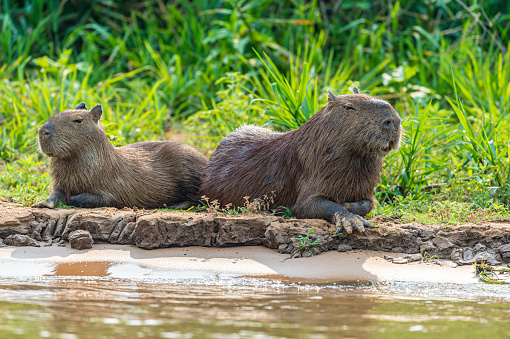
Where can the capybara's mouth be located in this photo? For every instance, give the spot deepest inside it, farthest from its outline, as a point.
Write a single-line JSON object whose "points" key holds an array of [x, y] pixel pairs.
{"points": [[47, 151], [53, 152], [50, 154], [392, 144]]}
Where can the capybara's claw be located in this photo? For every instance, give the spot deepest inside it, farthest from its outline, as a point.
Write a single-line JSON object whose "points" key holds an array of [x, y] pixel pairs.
{"points": [[350, 222], [348, 227], [360, 228], [342, 224], [366, 223]]}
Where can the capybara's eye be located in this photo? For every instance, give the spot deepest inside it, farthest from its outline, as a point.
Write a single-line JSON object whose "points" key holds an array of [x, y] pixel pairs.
{"points": [[349, 107], [78, 121]]}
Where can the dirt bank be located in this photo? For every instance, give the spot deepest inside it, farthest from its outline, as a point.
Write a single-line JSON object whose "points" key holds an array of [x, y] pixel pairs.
{"points": [[160, 229]]}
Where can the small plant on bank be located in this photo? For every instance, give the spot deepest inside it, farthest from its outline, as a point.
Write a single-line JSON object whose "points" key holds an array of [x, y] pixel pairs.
{"points": [[426, 257], [284, 212], [305, 243], [211, 206], [257, 205], [491, 275], [191, 209], [389, 232]]}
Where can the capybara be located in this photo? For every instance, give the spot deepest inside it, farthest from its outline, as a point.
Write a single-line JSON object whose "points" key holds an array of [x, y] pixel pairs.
{"points": [[88, 171], [326, 169]]}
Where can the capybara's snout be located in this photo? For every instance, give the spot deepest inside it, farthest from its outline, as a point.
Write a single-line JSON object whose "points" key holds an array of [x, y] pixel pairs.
{"points": [[47, 130], [393, 129]]}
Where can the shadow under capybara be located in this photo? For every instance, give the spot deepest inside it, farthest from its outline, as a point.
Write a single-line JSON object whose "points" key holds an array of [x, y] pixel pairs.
{"points": [[88, 171], [326, 169]]}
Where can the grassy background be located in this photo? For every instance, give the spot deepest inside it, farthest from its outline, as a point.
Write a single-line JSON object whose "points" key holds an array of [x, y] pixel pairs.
{"points": [[195, 70]]}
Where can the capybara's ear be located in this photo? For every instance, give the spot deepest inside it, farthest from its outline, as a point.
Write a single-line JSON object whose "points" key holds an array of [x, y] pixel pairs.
{"points": [[355, 90], [81, 106], [96, 113], [331, 97]]}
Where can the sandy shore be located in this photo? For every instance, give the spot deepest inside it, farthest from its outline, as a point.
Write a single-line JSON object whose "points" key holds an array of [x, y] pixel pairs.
{"points": [[130, 262]]}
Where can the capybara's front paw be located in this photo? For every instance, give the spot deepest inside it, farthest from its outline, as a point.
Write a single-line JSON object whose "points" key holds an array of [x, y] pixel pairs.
{"points": [[348, 221], [48, 203]]}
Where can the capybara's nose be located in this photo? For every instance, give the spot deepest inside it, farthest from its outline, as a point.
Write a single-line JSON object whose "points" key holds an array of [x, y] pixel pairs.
{"points": [[46, 130], [388, 123]]}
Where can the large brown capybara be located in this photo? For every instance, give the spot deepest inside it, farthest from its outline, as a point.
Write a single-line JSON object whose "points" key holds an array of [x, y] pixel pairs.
{"points": [[326, 169], [88, 171]]}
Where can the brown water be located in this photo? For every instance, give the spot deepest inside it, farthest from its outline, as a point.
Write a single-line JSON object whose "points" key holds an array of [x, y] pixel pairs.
{"points": [[95, 305]]}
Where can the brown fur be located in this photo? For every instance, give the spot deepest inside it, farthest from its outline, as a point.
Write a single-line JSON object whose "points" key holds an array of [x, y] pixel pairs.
{"points": [[335, 157], [147, 174]]}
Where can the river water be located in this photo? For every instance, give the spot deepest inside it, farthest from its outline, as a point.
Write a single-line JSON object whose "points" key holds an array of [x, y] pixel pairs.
{"points": [[65, 304]]}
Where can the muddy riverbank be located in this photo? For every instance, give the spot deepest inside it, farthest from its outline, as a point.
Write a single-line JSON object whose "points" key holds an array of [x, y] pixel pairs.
{"points": [[154, 229]]}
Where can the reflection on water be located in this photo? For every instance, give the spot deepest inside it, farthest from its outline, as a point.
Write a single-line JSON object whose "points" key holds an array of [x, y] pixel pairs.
{"points": [[111, 308], [83, 269]]}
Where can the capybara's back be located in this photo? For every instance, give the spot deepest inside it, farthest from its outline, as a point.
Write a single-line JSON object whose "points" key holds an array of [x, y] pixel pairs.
{"points": [[241, 167], [327, 169], [165, 173]]}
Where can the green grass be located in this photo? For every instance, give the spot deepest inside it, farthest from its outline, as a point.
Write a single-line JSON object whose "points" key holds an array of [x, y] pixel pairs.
{"points": [[445, 212], [203, 68], [304, 243], [26, 180], [458, 202], [491, 275]]}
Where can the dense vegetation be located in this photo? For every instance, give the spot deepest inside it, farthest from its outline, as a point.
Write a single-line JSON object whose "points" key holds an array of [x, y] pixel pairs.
{"points": [[164, 69]]}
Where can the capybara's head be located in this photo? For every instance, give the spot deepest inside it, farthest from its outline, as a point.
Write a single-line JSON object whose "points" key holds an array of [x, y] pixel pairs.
{"points": [[66, 134], [367, 125]]}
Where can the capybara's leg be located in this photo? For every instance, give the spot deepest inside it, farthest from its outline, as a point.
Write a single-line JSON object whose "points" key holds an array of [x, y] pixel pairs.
{"points": [[56, 197], [362, 207], [320, 207], [87, 200]]}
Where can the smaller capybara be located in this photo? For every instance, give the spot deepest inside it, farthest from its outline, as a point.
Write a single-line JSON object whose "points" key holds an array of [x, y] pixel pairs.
{"points": [[326, 169], [88, 171]]}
